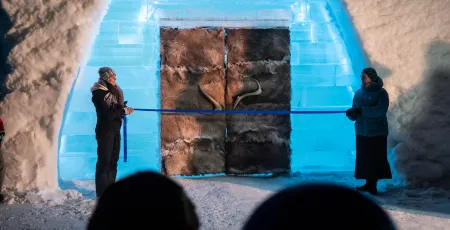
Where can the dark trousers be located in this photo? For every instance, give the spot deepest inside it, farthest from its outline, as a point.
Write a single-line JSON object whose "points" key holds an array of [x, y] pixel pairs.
{"points": [[108, 150], [371, 158]]}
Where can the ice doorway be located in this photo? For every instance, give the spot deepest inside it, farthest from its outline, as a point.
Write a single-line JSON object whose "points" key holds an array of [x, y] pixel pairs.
{"points": [[324, 65]]}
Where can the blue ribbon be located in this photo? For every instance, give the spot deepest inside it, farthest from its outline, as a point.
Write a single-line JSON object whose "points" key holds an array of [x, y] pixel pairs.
{"points": [[125, 147], [241, 111], [261, 112]]}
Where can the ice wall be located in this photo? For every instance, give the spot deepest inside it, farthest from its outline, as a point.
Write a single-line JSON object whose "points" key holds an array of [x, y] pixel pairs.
{"points": [[325, 64], [321, 71], [128, 43], [409, 43]]}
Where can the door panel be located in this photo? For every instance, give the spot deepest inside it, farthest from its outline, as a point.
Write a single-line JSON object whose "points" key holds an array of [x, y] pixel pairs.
{"points": [[192, 77], [258, 144]]}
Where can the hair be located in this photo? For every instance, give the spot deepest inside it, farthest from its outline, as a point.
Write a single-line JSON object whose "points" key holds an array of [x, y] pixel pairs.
{"points": [[144, 199], [371, 73], [319, 206]]}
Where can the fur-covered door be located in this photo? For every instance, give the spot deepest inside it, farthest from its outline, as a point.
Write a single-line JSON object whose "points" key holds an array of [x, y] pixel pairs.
{"points": [[258, 78], [192, 77]]}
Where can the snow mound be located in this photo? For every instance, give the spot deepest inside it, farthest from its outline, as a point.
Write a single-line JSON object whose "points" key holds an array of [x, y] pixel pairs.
{"points": [[45, 196], [408, 42], [421, 115], [50, 39], [431, 192]]}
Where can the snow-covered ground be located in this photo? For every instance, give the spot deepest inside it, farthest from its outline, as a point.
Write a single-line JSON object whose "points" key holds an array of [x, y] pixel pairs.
{"points": [[225, 203]]}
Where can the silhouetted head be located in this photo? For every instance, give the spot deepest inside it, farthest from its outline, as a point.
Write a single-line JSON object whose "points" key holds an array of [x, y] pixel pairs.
{"points": [[319, 206], [107, 74], [144, 200]]}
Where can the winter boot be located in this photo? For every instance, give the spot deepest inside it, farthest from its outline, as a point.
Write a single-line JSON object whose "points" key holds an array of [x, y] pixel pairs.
{"points": [[370, 186]]}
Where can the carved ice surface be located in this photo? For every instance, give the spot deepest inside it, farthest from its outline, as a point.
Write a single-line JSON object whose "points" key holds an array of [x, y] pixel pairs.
{"points": [[325, 64]]}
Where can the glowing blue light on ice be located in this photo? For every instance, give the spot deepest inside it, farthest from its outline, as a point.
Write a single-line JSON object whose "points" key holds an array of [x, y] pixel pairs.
{"points": [[325, 63]]}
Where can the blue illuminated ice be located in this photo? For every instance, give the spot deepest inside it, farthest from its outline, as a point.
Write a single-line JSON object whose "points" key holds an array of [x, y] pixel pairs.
{"points": [[325, 62]]}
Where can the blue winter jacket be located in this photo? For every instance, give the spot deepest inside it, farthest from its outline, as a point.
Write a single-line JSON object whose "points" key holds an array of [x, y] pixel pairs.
{"points": [[374, 102]]}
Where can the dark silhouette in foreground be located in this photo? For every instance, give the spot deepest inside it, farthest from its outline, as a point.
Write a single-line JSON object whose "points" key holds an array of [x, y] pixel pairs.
{"points": [[319, 206], [144, 200]]}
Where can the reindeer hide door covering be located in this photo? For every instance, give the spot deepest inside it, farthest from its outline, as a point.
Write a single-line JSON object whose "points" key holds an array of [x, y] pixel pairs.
{"points": [[258, 78], [194, 76]]}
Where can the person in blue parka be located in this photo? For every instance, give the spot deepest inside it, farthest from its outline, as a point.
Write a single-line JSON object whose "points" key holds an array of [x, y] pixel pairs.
{"points": [[370, 105]]}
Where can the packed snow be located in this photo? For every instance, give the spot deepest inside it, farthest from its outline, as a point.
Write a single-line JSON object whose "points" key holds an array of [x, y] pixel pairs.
{"points": [[227, 202], [407, 41]]}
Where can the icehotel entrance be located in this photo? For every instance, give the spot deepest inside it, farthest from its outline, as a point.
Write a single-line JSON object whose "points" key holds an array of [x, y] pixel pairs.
{"points": [[298, 54], [225, 69]]}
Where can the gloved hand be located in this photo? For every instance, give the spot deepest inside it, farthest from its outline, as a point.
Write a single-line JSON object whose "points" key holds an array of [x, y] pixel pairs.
{"points": [[352, 118], [353, 113], [127, 110]]}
